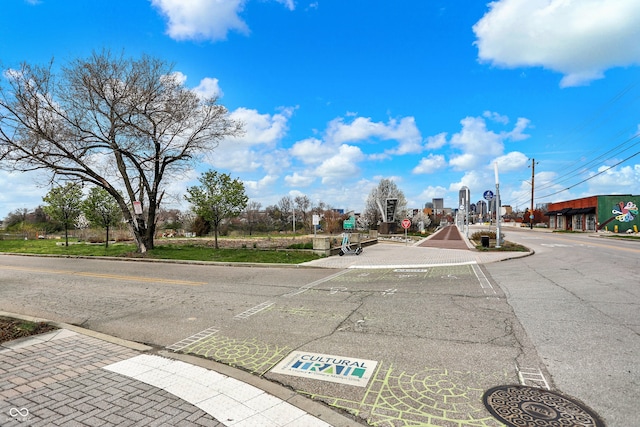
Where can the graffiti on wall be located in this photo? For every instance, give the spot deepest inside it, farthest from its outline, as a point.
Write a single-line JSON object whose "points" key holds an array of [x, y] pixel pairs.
{"points": [[625, 212]]}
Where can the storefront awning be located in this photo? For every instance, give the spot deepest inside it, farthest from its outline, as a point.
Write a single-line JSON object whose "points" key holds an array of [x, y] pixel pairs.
{"points": [[558, 212], [572, 211], [581, 211]]}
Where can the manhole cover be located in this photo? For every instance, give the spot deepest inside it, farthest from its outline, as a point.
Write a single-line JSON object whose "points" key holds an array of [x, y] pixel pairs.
{"points": [[521, 406]]}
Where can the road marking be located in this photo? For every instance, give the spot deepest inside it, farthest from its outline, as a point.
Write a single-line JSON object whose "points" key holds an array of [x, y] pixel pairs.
{"points": [[254, 310], [334, 291], [192, 339], [389, 291], [532, 377], [306, 287], [486, 286], [106, 276]]}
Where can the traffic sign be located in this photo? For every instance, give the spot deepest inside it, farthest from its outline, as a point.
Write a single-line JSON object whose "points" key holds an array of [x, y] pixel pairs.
{"points": [[406, 223], [488, 195]]}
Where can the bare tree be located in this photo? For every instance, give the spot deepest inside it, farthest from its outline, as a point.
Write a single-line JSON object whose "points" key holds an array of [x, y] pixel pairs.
{"points": [[302, 205], [252, 215], [119, 123], [285, 205]]}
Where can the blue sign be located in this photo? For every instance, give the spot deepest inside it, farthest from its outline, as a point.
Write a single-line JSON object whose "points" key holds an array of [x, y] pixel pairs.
{"points": [[488, 195]]}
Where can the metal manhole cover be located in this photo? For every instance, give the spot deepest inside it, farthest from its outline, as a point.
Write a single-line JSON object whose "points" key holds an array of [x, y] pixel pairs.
{"points": [[521, 406]]}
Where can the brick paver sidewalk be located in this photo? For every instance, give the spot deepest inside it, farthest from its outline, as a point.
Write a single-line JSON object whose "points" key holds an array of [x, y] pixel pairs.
{"points": [[61, 382], [65, 378]]}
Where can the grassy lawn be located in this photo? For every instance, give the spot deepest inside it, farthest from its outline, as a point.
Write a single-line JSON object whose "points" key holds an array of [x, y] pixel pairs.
{"points": [[169, 251], [202, 253]]}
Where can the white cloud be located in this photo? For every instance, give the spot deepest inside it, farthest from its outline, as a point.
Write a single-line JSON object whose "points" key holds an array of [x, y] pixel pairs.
{"points": [[205, 19], [517, 134], [578, 38], [496, 117], [289, 4], [208, 88], [202, 19], [510, 162], [430, 164], [298, 180], [437, 141], [254, 149], [261, 128], [464, 161], [404, 131], [257, 187], [431, 193], [478, 144], [342, 166], [311, 150], [625, 178]]}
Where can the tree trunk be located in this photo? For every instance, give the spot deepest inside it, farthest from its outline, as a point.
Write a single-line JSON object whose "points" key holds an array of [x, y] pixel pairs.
{"points": [[106, 242], [143, 235], [215, 233]]}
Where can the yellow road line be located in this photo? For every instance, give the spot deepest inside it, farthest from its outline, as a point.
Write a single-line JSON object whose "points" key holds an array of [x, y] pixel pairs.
{"points": [[106, 276]]}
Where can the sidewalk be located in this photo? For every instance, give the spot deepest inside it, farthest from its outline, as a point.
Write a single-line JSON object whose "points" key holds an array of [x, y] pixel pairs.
{"points": [[75, 377], [413, 255]]}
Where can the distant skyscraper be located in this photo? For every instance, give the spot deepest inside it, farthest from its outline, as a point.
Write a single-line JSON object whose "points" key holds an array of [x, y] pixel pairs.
{"points": [[464, 199], [438, 205], [481, 208]]}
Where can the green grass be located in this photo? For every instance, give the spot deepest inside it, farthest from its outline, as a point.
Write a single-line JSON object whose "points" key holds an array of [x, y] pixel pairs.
{"points": [[175, 252], [49, 247], [201, 253], [621, 236], [505, 247]]}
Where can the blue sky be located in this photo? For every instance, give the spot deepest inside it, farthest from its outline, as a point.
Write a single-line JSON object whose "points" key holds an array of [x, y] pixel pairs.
{"points": [[336, 95]]}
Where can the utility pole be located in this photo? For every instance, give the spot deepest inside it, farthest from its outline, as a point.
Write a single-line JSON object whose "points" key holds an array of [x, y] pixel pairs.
{"points": [[533, 173]]}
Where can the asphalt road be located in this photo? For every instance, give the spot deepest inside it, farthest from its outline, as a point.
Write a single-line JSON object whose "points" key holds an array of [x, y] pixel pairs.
{"points": [[434, 339], [578, 299], [437, 337]]}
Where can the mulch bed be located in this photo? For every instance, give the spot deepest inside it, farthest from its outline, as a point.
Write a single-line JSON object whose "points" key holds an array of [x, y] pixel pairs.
{"points": [[11, 329]]}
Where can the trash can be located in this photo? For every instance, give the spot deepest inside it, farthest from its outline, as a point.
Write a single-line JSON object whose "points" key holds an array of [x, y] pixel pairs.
{"points": [[485, 241]]}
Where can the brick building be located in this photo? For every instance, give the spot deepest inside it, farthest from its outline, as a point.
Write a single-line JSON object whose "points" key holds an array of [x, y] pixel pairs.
{"points": [[618, 213]]}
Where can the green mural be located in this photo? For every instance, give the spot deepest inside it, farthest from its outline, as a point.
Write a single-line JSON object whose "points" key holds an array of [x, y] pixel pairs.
{"points": [[619, 213]]}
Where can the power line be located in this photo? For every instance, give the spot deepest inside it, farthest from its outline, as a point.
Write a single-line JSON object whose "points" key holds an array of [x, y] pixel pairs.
{"points": [[580, 166], [591, 177]]}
